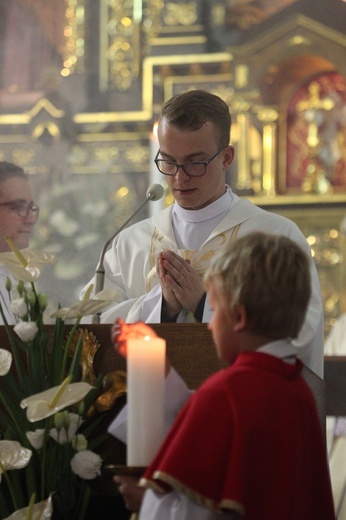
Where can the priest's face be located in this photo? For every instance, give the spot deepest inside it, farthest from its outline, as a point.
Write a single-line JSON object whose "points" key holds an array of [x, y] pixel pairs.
{"points": [[182, 146]]}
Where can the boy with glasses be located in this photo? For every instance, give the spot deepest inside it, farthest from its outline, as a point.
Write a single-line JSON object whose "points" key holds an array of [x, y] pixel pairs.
{"points": [[18, 215], [156, 265]]}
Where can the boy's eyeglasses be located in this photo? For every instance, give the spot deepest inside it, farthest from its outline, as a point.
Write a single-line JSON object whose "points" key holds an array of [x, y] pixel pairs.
{"points": [[22, 208]]}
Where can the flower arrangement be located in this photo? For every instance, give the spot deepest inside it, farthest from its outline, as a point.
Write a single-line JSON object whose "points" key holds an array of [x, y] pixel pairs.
{"points": [[47, 456]]}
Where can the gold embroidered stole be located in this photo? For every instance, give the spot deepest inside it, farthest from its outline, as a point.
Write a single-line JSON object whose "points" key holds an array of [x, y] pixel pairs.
{"points": [[199, 258]]}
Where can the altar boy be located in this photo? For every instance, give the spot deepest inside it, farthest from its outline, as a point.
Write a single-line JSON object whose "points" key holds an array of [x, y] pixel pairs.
{"points": [[248, 444]]}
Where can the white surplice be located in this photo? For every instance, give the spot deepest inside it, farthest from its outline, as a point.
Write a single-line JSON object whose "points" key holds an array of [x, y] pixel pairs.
{"points": [[336, 341]]}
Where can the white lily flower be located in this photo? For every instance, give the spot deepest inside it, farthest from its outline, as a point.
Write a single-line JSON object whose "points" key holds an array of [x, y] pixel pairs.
{"points": [[13, 456], [86, 464], [36, 438], [41, 511], [26, 330], [19, 307], [5, 361], [101, 301], [29, 265], [47, 403]]}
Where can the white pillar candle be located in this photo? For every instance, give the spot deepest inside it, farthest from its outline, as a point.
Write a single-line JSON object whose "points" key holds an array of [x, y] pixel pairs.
{"points": [[145, 397]]}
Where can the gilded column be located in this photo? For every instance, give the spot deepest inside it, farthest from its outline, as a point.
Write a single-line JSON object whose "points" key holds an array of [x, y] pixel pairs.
{"points": [[268, 116]]}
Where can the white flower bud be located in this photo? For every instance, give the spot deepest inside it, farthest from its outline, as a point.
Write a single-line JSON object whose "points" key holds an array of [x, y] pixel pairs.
{"points": [[26, 330], [8, 284], [59, 421], [20, 287], [86, 464], [69, 426], [79, 442], [42, 301], [32, 298], [36, 438], [19, 307]]}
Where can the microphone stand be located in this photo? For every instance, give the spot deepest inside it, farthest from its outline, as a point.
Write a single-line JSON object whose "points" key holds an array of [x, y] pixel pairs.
{"points": [[100, 270]]}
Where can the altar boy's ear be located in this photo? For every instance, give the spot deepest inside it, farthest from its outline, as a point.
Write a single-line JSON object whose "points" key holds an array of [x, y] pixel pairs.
{"points": [[240, 319]]}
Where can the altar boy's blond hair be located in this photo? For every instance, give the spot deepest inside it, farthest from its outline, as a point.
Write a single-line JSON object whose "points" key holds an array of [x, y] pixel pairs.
{"points": [[270, 276]]}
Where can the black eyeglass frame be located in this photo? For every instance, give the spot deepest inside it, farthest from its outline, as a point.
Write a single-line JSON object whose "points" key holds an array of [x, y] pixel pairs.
{"points": [[205, 163], [22, 208]]}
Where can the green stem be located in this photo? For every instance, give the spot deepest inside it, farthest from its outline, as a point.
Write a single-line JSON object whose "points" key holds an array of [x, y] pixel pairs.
{"points": [[11, 414], [29, 361], [44, 458], [10, 488], [67, 346], [83, 502]]}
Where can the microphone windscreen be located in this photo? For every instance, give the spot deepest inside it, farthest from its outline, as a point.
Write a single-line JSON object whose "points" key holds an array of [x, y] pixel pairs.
{"points": [[155, 192]]}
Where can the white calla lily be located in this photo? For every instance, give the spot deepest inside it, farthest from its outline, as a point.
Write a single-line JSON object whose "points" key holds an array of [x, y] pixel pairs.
{"points": [[5, 361], [13, 456], [41, 511], [47, 403], [101, 301], [28, 267]]}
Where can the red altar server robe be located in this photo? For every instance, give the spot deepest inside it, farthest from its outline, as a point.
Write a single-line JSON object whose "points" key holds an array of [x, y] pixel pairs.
{"points": [[250, 440]]}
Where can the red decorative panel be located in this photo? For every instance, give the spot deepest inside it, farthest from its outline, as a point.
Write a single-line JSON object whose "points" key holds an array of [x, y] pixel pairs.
{"points": [[316, 131]]}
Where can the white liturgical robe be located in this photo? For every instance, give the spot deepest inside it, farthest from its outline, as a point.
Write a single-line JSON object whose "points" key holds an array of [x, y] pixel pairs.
{"points": [[130, 264]]}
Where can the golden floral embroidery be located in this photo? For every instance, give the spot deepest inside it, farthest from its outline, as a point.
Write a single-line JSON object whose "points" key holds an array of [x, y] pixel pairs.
{"points": [[199, 258]]}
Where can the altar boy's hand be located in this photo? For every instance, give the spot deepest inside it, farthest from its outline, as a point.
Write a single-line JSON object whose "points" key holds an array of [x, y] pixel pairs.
{"points": [[131, 491], [121, 332]]}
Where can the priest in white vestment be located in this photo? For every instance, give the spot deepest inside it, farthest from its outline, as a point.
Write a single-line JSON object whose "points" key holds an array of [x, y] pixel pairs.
{"points": [[156, 266]]}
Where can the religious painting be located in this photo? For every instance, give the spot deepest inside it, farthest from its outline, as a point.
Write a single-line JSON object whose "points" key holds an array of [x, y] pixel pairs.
{"points": [[316, 136]]}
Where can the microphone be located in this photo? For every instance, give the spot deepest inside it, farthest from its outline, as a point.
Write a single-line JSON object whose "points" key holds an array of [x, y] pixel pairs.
{"points": [[154, 192]]}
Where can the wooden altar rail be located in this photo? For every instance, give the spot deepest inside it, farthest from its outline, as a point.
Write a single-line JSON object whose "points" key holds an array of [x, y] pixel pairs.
{"points": [[191, 351]]}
